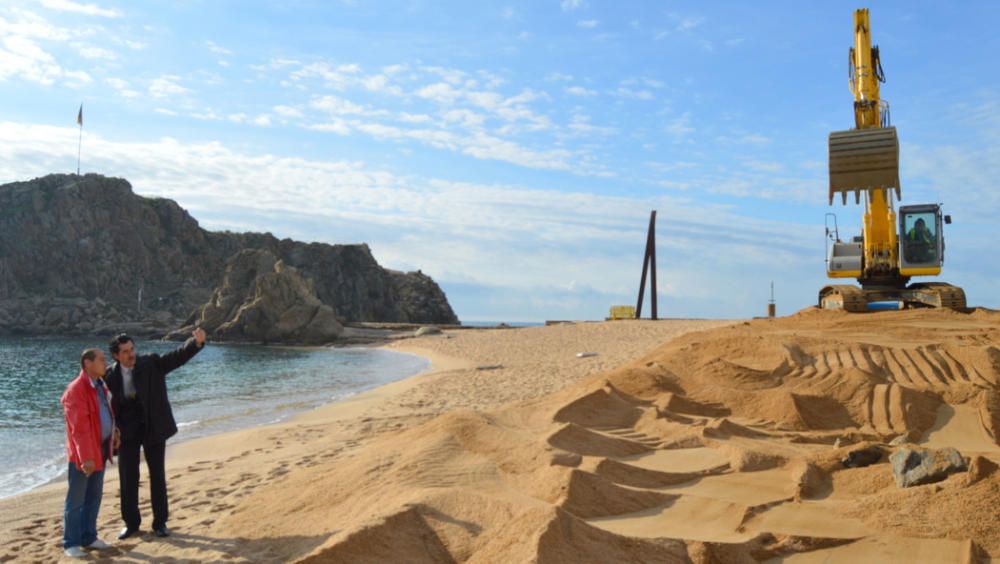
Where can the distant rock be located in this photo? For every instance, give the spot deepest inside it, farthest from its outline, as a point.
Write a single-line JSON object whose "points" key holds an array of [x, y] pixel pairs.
{"points": [[263, 300], [84, 254], [918, 466], [427, 330]]}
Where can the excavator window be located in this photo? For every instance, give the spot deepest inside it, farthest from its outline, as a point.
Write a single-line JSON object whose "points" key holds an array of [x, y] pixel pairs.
{"points": [[919, 238]]}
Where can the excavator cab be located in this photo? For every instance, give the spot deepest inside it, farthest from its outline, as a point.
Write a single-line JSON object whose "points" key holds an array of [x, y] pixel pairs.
{"points": [[921, 239]]}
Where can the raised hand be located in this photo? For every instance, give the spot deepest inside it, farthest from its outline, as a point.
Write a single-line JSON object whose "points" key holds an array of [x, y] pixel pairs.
{"points": [[199, 336]]}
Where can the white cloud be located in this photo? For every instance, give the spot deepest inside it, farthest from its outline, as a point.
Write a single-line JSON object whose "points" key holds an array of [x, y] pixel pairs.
{"points": [[764, 166], [335, 125], [587, 24], [262, 120], [32, 26], [122, 87], [76, 7], [464, 117], [581, 124], [451, 76], [206, 115], [492, 80], [441, 93], [580, 91], [337, 106], [680, 127], [380, 83], [744, 139], [217, 49], [92, 52], [21, 57], [688, 23], [288, 112], [166, 86], [670, 167], [132, 44], [414, 118], [643, 94], [570, 5]]}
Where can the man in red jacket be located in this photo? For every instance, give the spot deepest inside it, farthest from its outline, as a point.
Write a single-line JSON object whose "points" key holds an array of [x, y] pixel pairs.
{"points": [[90, 440]]}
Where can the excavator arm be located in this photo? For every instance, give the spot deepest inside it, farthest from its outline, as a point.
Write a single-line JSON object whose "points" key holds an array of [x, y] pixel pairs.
{"points": [[865, 160], [867, 157]]}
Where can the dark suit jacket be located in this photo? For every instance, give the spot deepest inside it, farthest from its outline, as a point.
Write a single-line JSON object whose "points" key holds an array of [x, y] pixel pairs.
{"points": [[154, 422]]}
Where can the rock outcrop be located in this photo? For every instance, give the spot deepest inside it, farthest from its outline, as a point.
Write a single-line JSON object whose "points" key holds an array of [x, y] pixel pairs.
{"points": [[84, 254], [263, 300]]}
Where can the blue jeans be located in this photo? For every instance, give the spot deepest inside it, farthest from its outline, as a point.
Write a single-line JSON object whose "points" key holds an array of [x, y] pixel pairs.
{"points": [[83, 501]]}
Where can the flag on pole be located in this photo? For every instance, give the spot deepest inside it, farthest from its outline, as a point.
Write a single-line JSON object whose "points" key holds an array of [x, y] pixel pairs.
{"points": [[79, 116]]}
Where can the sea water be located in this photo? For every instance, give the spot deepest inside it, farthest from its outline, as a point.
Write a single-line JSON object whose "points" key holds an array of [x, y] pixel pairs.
{"points": [[224, 387]]}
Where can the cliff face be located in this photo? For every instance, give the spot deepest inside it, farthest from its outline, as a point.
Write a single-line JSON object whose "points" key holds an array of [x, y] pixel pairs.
{"points": [[77, 252]]}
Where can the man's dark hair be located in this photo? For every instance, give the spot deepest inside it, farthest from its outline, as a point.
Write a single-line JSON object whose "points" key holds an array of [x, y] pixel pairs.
{"points": [[88, 354], [118, 340]]}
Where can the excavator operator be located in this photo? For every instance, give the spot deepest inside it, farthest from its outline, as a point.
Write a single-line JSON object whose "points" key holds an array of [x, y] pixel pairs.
{"points": [[920, 242]]}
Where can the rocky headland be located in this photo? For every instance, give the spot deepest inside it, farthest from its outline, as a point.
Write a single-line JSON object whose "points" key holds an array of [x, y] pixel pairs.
{"points": [[86, 255]]}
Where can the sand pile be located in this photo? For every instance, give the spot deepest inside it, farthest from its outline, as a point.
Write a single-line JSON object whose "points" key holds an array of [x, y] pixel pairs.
{"points": [[720, 445]]}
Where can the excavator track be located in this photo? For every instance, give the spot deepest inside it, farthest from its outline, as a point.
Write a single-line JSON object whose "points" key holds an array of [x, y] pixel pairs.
{"points": [[844, 297], [937, 294], [929, 294]]}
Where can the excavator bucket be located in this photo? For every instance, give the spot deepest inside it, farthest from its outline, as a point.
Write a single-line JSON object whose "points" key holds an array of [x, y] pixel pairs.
{"points": [[862, 159]]}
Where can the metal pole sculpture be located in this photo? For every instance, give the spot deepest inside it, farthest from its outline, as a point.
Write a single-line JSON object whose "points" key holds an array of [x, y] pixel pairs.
{"points": [[648, 261]]}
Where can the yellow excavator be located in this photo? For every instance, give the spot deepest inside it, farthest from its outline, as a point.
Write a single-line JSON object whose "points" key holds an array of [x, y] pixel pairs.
{"points": [[865, 161]]}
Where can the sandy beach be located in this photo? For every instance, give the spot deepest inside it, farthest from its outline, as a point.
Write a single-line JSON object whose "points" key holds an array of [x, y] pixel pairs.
{"points": [[675, 441], [210, 478]]}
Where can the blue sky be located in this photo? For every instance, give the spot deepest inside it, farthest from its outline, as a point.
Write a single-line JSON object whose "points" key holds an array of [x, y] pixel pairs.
{"points": [[514, 150]]}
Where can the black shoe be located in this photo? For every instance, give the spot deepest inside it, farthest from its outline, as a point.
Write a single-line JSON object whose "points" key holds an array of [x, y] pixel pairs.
{"points": [[161, 531], [127, 532]]}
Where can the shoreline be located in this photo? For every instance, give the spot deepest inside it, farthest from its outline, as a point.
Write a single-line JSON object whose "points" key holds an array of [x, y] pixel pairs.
{"points": [[175, 442]]}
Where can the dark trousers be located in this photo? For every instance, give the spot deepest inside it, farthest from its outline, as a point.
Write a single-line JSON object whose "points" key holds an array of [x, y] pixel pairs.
{"points": [[128, 480]]}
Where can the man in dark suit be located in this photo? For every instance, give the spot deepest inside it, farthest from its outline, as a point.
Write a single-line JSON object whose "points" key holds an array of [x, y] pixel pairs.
{"points": [[139, 398]]}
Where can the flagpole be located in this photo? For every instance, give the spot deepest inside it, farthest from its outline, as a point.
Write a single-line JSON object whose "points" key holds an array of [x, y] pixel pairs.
{"points": [[79, 145]]}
